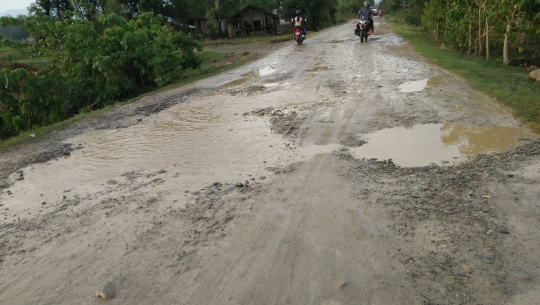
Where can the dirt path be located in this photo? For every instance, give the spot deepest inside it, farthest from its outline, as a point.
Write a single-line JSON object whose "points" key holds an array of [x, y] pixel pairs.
{"points": [[329, 173]]}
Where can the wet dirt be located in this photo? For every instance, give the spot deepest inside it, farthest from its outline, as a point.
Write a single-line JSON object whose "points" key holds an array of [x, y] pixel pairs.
{"points": [[320, 68], [438, 80], [215, 195], [438, 143]]}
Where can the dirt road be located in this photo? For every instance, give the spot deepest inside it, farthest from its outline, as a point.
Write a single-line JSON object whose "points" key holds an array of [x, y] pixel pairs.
{"points": [[329, 173]]}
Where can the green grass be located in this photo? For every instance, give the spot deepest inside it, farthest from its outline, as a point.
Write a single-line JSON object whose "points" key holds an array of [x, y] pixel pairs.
{"points": [[509, 85], [248, 40], [213, 63]]}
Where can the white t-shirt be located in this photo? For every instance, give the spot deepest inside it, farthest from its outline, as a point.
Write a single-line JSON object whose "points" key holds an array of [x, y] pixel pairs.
{"points": [[298, 21]]}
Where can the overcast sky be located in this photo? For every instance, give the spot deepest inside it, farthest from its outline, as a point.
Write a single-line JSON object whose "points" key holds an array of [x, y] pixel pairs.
{"points": [[14, 4]]}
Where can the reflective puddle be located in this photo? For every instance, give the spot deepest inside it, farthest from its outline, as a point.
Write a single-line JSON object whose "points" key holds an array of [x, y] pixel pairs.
{"points": [[260, 72], [438, 143], [420, 85], [245, 77], [415, 86]]}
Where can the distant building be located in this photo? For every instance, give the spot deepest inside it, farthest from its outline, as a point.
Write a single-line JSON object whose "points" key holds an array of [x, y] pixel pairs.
{"points": [[252, 20], [198, 25]]}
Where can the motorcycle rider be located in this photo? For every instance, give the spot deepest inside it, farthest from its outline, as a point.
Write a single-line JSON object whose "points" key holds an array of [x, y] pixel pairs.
{"points": [[300, 22], [366, 12]]}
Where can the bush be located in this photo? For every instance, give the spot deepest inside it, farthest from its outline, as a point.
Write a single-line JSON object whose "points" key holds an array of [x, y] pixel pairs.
{"points": [[415, 20], [92, 65]]}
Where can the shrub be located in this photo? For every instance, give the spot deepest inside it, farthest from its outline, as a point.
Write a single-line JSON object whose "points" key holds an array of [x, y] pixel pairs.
{"points": [[92, 64]]}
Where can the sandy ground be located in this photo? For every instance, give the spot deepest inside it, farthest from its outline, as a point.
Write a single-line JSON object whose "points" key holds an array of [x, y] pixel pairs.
{"points": [[329, 173]]}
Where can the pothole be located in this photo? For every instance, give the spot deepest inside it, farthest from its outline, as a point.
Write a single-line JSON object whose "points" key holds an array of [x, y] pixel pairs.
{"points": [[249, 75], [415, 86], [442, 144], [420, 85], [260, 72]]}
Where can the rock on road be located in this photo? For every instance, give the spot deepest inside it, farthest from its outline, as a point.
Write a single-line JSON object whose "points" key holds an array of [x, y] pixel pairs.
{"points": [[329, 173]]}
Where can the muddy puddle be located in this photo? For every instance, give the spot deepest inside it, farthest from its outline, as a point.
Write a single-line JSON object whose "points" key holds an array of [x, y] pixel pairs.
{"points": [[261, 72], [247, 76], [196, 144], [415, 86], [441, 144], [422, 84]]}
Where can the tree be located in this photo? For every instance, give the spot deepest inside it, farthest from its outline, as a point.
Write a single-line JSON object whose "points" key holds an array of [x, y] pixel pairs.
{"points": [[222, 9], [114, 7], [14, 32], [92, 64], [517, 14], [55, 9], [347, 8], [319, 13], [176, 9], [89, 9]]}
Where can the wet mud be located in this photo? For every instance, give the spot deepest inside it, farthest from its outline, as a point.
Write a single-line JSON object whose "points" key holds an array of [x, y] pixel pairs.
{"points": [[398, 184]]}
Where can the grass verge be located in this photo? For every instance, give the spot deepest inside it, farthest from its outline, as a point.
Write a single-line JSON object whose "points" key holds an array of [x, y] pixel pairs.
{"points": [[213, 63], [510, 86], [248, 40]]}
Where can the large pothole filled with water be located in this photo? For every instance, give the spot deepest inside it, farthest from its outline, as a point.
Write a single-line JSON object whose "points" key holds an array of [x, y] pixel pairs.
{"points": [[443, 144]]}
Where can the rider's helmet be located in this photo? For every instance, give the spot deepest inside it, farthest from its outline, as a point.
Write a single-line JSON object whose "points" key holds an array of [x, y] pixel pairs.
{"points": [[298, 12], [366, 2]]}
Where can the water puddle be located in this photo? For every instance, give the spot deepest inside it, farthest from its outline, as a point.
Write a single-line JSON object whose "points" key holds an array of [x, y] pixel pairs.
{"points": [[235, 83], [415, 86], [420, 85], [249, 75], [320, 68], [260, 72], [197, 143], [438, 143]]}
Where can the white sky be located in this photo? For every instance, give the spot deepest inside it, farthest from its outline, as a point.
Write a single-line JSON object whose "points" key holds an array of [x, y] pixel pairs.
{"points": [[14, 4]]}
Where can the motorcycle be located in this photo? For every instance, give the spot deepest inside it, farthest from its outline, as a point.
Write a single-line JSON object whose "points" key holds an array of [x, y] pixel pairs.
{"points": [[299, 36], [363, 29]]}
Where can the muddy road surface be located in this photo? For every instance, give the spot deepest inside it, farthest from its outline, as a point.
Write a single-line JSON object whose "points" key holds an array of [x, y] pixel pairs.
{"points": [[329, 173]]}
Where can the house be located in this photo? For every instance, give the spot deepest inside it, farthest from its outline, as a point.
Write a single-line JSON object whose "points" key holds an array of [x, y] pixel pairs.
{"points": [[252, 20], [197, 25]]}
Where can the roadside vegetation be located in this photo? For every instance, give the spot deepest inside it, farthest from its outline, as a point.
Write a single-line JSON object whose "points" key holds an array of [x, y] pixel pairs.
{"points": [[509, 85], [504, 31], [76, 56]]}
